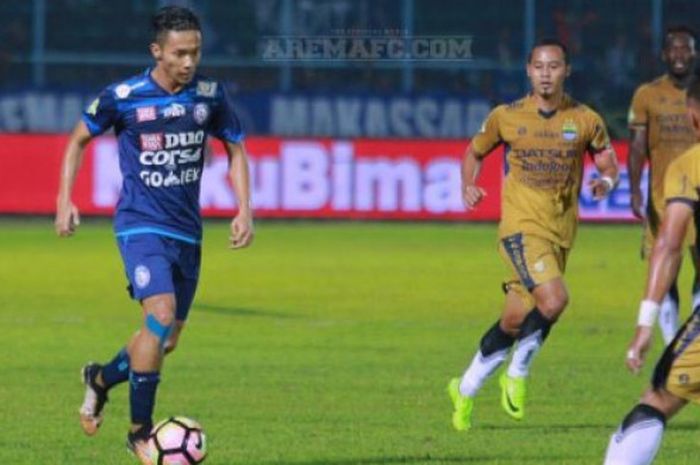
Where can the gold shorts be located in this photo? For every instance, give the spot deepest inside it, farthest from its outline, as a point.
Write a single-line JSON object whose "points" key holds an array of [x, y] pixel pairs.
{"points": [[531, 260], [678, 370]]}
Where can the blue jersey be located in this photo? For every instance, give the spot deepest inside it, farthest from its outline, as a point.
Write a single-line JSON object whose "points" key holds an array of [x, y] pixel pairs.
{"points": [[162, 140]]}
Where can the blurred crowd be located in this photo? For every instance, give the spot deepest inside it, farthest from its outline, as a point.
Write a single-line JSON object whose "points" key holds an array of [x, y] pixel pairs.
{"points": [[612, 43]]}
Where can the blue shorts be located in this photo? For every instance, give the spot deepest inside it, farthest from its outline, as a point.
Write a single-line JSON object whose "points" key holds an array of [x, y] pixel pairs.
{"points": [[156, 264]]}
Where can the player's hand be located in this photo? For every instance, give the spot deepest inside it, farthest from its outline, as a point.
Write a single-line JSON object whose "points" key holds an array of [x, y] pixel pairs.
{"points": [[241, 231], [638, 348], [637, 205], [67, 218], [472, 195], [599, 188]]}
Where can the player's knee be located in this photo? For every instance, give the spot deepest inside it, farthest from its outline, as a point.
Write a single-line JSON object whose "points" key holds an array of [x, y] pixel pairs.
{"points": [[160, 319], [163, 315], [553, 304]]}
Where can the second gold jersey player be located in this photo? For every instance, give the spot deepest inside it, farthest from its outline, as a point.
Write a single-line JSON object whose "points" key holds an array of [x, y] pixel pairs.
{"points": [[547, 135], [660, 133]]}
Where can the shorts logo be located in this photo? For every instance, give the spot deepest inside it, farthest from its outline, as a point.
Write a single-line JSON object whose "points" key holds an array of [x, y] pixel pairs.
{"points": [[683, 379], [201, 113], [142, 276], [569, 131], [152, 141], [206, 88], [539, 267], [174, 110], [146, 114]]}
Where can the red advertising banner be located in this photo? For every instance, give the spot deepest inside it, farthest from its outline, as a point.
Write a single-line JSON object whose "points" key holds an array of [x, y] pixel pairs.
{"points": [[299, 178]]}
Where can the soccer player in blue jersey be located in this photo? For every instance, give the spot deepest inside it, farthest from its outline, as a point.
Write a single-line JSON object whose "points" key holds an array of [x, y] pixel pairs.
{"points": [[161, 119]]}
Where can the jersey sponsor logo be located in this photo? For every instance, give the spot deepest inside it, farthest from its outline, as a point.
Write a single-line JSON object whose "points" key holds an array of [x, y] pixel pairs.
{"points": [[122, 90], [171, 179], [92, 109], [170, 158], [174, 149], [184, 139], [201, 113], [152, 141], [146, 114], [174, 110], [522, 130], [142, 276], [206, 88], [569, 131]]}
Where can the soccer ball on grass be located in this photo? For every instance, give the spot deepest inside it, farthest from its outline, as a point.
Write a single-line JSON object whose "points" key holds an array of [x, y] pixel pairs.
{"points": [[177, 441]]}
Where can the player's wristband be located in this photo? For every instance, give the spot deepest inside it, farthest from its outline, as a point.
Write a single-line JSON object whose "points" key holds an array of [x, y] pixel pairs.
{"points": [[648, 311], [608, 181]]}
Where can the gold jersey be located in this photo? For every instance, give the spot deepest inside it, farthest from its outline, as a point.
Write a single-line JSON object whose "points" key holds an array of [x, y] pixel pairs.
{"points": [[659, 107], [544, 163]]}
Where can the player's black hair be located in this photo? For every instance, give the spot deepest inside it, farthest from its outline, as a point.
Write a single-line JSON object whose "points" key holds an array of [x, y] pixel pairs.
{"points": [[679, 29], [550, 41], [173, 18], [693, 91]]}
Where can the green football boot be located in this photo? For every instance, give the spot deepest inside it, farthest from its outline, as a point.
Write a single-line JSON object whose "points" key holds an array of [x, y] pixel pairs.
{"points": [[513, 393], [462, 416]]}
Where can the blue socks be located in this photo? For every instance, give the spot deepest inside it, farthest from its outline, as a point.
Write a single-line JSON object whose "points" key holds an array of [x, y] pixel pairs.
{"points": [[142, 397], [116, 371]]}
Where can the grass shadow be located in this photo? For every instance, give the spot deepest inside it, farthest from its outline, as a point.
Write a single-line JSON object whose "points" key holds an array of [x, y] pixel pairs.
{"points": [[238, 311], [413, 459]]}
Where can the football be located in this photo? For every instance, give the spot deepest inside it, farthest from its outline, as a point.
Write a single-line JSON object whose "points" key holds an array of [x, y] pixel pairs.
{"points": [[177, 441]]}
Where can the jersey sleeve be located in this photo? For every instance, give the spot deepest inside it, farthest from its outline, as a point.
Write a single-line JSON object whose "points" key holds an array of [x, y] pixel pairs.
{"points": [[489, 136], [678, 182], [225, 124], [598, 139], [101, 114], [638, 115]]}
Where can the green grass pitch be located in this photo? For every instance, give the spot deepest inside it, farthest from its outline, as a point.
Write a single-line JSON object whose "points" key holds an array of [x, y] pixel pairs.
{"points": [[324, 344]]}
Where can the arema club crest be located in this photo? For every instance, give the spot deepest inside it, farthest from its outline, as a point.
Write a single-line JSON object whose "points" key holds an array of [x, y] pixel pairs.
{"points": [[201, 113]]}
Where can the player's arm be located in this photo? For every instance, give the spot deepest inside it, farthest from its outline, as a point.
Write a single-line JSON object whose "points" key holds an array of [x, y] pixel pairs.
{"points": [[638, 120], [482, 144], [665, 261], [606, 163], [638, 154], [67, 216], [242, 224], [604, 158], [471, 166]]}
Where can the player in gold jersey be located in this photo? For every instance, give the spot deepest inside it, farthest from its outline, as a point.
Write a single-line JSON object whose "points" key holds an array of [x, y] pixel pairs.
{"points": [[660, 133], [676, 378], [546, 135]]}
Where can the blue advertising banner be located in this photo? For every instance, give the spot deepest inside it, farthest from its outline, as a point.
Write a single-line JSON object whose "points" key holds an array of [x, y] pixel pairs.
{"points": [[292, 115]]}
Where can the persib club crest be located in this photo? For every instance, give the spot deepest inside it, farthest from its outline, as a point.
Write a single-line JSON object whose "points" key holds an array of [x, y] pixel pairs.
{"points": [[569, 131], [201, 113]]}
